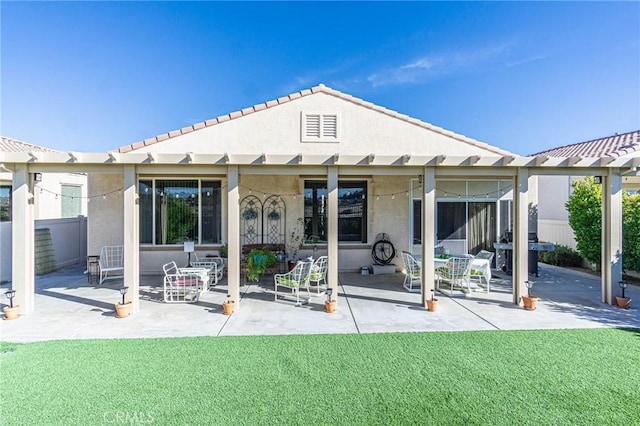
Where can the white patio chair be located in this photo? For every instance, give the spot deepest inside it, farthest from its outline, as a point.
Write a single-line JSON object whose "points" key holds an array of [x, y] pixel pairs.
{"points": [[411, 272], [319, 272], [479, 275], [214, 264], [111, 263], [295, 279], [456, 272], [182, 285]]}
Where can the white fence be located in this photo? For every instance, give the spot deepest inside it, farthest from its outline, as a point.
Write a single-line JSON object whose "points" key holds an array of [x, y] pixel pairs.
{"points": [[69, 238], [557, 232]]}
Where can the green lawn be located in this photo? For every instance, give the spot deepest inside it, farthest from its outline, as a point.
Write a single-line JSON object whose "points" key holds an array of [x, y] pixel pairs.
{"points": [[497, 377]]}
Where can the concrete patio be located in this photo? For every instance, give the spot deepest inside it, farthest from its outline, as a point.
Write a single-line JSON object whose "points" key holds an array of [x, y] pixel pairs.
{"points": [[67, 307]]}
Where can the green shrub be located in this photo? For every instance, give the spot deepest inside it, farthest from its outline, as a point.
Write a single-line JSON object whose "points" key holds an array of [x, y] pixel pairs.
{"points": [[561, 256]]}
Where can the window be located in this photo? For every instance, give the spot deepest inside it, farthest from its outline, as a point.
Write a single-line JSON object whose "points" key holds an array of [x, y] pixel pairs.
{"points": [[352, 211], [320, 127], [70, 200], [174, 211], [5, 203]]}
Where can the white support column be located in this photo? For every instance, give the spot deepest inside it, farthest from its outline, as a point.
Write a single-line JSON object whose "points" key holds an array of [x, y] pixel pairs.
{"points": [[131, 237], [332, 230], [611, 235], [428, 231], [520, 234], [23, 239], [233, 233]]}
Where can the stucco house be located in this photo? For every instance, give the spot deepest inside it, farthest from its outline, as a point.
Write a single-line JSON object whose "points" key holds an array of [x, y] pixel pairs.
{"points": [[553, 218], [56, 196], [344, 168]]}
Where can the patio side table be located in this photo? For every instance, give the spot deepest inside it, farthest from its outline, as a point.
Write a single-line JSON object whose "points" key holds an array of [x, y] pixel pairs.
{"points": [[93, 269]]}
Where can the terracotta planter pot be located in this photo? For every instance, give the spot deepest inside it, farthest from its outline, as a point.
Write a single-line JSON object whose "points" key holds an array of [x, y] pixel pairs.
{"points": [[11, 313], [432, 305], [330, 306], [530, 303], [623, 302], [123, 311], [228, 307]]}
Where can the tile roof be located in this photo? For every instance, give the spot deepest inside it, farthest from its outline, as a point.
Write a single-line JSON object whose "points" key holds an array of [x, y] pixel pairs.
{"points": [[12, 145], [617, 145], [321, 88]]}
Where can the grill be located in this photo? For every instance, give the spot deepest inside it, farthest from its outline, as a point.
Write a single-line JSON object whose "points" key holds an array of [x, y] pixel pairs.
{"points": [[533, 252]]}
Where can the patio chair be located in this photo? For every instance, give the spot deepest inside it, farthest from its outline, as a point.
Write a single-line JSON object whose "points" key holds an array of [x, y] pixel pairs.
{"points": [[181, 285], [319, 272], [111, 263], [477, 274], [295, 279], [456, 272], [411, 272], [214, 264]]}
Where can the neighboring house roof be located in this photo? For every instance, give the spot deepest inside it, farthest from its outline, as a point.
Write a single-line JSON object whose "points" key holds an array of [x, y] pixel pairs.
{"points": [[12, 145], [321, 88], [618, 145]]}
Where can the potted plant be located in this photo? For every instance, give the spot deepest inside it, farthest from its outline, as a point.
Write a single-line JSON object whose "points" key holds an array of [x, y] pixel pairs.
{"points": [[432, 304], [123, 309], [224, 251], [623, 302], [330, 304], [295, 242], [530, 302], [228, 306], [11, 312], [258, 261]]}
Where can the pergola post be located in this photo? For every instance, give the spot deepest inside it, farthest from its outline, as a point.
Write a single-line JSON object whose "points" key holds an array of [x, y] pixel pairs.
{"points": [[23, 239], [520, 234], [131, 237], [428, 232], [611, 235], [332, 230], [233, 233]]}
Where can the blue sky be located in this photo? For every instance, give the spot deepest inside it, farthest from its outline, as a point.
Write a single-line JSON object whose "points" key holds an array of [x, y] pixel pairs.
{"points": [[94, 76]]}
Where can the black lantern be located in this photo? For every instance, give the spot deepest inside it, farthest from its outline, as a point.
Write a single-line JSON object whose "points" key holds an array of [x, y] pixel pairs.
{"points": [[623, 285], [329, 292], [12, 293], [123, 291], [529, 285]]}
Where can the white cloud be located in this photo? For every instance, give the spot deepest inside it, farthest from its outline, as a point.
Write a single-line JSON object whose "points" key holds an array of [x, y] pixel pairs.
{"points": [[432, 66]]}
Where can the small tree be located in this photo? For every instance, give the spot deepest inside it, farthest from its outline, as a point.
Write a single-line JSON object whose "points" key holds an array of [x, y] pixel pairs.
{"points": [[585, 217], [631, 232]]}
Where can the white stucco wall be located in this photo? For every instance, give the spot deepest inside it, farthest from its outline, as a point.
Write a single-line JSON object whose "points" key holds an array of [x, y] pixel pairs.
{"points": [[48, 202], [277, 130], [105, 222]]}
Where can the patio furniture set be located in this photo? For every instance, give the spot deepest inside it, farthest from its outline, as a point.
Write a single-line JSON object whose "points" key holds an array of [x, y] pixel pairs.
{"points": [[463, 272]]}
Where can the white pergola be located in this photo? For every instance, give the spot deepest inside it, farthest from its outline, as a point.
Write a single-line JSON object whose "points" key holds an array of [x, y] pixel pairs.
{"points": [[130, 165]]}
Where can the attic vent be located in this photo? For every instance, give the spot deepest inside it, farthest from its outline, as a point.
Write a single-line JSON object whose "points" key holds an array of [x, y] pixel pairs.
{"points": [[320, 127]]}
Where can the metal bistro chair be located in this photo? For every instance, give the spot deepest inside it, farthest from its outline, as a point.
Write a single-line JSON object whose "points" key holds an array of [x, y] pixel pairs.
{"points": [[295, 279], [319, 272], [456, 272], [411, 272]]}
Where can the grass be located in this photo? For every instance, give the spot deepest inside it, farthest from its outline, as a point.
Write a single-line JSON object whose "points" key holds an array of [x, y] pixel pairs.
{"points": [[498, 377]]}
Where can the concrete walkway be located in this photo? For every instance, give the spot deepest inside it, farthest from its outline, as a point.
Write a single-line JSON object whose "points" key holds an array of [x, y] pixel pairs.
{"points": [[67, 307]]}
